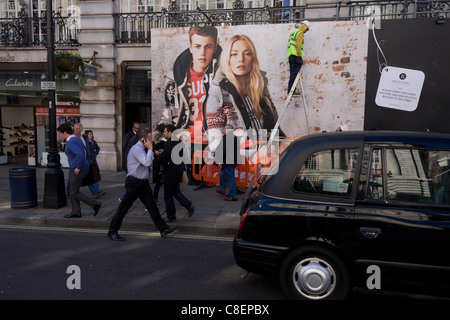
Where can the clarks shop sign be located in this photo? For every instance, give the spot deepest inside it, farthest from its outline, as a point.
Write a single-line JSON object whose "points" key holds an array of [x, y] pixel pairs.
{"points": [[19, 81], [15, 82], [30, 81]]}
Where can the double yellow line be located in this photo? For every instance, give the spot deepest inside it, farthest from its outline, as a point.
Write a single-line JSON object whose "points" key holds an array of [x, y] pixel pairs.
{"points": [[145, 234]]}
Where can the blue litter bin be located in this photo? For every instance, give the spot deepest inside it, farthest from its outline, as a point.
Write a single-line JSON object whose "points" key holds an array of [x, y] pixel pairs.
{"points": [[23, 186]]}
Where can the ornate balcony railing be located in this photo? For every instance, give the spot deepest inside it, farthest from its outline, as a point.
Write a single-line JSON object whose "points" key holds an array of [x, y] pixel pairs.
{"points": [[25, 31], [136, 27]]}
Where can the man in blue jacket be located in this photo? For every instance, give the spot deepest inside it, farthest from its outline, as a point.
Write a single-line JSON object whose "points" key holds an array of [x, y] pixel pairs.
{"points": [[79, 169]]}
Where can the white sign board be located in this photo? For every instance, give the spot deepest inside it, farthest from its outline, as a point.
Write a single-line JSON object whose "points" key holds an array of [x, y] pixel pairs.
{"points": [[399, 88], [48, 85]]}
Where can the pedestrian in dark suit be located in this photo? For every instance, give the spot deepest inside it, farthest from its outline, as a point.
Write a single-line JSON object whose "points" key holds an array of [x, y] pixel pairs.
{"points": [[126, 140], [137, 186], [227, 155], [158, 143], [173, 173]]}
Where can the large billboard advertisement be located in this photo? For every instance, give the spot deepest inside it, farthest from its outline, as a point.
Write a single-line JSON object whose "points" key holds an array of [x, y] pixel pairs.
{"points": [[238, 79]]}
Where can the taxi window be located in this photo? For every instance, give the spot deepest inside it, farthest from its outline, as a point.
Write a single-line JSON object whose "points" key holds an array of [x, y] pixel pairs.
{"points": [[328, 172], [415, 175]]}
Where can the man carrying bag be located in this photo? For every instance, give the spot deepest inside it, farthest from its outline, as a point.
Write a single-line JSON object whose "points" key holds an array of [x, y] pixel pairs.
{"points": [[79, 169]]}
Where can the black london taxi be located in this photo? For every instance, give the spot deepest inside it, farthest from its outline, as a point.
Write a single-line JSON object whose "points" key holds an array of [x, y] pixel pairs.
{"points": [[348, 211]]}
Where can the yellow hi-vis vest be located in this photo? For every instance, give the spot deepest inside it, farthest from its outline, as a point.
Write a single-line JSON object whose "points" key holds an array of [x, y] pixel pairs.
{"points": [[292, 44]]}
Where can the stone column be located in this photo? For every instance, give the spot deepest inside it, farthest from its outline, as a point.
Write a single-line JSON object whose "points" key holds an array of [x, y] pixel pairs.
{"points": [[98, 102]]}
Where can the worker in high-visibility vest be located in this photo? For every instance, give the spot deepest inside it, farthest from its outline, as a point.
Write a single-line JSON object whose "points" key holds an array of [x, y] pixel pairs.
{"points": [[295, 50]]}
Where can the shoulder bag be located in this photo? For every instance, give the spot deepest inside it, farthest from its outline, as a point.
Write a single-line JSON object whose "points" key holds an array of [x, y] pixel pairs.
{"points": [[94, 172]]}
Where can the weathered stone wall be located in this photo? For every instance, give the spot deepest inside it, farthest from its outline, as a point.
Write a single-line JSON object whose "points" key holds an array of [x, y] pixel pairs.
{"points": [[98, 100]]}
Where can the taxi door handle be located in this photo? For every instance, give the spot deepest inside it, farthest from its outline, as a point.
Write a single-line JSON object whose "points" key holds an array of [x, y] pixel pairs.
{"points": [[370, 233]]}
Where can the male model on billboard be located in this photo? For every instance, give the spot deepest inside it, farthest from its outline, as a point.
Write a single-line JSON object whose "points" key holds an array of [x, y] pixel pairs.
{"points": [[187, 90]]}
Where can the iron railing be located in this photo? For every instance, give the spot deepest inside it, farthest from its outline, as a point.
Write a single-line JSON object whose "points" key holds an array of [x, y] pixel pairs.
{"points": [[136, 27], [24, 31]]}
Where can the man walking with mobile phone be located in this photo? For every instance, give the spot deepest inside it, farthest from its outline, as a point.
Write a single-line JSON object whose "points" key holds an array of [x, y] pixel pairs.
{"points": [[138, 186]]}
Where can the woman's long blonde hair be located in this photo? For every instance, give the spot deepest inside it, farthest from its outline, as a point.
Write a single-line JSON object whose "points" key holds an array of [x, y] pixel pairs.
{"points": [[254, 84]]}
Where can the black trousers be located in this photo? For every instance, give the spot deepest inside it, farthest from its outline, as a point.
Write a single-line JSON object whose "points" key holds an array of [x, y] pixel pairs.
{"points": [[295, 64], [141, 189], [172, 191], [74, 191]]}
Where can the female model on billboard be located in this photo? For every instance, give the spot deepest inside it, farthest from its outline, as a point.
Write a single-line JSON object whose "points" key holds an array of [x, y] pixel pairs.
{"points": [[238, 96]]}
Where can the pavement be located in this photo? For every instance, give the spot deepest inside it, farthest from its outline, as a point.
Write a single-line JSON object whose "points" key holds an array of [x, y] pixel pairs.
{"points": [[212, 214]]}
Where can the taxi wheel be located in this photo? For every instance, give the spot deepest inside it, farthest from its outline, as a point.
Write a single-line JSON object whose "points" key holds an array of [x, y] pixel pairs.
{"points": [[314, 273]]}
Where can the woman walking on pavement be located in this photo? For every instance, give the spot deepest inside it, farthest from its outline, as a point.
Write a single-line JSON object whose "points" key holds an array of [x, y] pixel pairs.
{"points": [[93, 149]]}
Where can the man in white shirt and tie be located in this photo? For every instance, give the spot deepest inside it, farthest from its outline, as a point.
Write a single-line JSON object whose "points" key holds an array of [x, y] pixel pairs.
{"points": [[138, 186]]}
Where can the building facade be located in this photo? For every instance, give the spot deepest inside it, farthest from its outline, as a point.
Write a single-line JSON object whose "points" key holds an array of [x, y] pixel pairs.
{"points": [[114, 39]]}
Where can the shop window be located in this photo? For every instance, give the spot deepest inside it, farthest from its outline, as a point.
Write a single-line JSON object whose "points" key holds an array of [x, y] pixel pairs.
{"points": [[65, 112]]}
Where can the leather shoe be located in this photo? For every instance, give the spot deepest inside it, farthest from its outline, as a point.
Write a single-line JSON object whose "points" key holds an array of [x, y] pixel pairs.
{"points": [[97, 208], [98, 195], [169, 220], [115, 237], [220, 191], [191, 211], [230, 199], [72, 216], [167, 231]]}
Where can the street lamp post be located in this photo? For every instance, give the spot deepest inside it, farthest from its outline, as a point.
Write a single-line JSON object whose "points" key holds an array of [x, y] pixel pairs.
{"points": [[54, 188]]}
